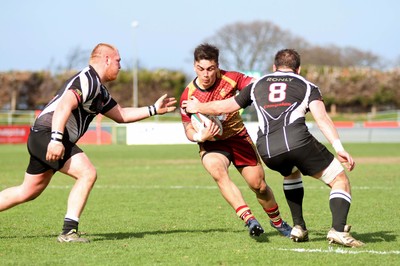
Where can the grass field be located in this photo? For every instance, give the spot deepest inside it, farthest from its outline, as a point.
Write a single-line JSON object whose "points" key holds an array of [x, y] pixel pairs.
{"points": [[156, 205]]}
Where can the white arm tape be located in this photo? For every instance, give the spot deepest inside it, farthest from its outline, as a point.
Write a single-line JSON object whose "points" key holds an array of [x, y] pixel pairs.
{"points": [[197, 137], [337, 145]]}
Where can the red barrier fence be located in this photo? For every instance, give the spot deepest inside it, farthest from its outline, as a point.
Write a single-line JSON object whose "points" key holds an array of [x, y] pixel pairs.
{"points": [[385, 124], [14, 134], [100, 135]]}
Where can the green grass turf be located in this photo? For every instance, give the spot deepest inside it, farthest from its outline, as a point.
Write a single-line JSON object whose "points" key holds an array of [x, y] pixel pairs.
{"points": [[156, 205]]}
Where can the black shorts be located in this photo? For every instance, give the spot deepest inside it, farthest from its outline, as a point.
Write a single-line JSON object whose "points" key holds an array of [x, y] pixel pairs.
{"points": [[37, 147], [310, 159]]}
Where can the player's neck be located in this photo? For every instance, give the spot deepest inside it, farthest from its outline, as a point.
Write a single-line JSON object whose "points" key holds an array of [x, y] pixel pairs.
{"points": [[287, 70], [201, 86], [283, 69]]}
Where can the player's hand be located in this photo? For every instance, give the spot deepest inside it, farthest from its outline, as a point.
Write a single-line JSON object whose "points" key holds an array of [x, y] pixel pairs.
{"points": [[208, 132], [190, 106], [214, 129], [345, 158], [165, 105], [55, 151]]}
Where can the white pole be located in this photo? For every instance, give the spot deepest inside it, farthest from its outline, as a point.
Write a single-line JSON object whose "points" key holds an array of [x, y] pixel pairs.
{"points": [[135, 78]]}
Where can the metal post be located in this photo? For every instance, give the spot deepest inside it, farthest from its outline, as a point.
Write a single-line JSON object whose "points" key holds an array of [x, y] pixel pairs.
{"points": [[134, 74]]}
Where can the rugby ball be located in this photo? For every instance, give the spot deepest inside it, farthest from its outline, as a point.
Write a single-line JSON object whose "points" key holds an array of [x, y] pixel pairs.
{"points": [[200, 121]]}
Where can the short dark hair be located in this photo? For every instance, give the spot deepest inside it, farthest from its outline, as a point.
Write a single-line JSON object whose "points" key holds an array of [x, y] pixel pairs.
{"points": [[206, 51], [287, 58]]}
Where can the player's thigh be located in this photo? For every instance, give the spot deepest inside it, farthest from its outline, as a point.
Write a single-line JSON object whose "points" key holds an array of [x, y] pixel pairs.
{"points": [[78, 166], [216, 163], [34, 184], [312, 158], [254, 175]]}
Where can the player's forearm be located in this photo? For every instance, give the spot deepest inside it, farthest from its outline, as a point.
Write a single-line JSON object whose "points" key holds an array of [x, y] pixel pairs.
{"points": [[129, 114], [209, 108], [218, 107], [132, 114], [324, 122], [190, 132], [327, 127]]}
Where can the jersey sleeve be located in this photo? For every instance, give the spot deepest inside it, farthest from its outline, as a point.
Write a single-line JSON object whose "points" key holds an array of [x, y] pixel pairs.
{"points": [[82, 88], [76, 89], [243, 81], [243, 99], [109, 105], [315, 94], [184, 115]]}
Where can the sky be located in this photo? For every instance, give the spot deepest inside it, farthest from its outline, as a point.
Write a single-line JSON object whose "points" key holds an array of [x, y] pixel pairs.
{"points": [[39, 35]]}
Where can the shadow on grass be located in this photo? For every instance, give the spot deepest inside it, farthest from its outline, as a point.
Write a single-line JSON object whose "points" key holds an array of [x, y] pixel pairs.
{"points": [[127, 235], [374, 237]]}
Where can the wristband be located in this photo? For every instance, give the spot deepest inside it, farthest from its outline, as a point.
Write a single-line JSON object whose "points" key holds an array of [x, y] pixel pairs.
{"points": [[337, 145], [56, 136], [152, 110], [57, 132], [197, 137]]}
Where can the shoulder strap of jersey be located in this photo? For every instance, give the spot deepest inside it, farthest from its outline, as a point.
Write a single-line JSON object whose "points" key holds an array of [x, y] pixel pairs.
{"points": [[191, 89], [229, 80]]}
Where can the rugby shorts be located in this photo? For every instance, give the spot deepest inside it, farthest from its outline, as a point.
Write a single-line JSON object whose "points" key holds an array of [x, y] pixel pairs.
{"points": [[310, 159], [38, 141], [239, 149]]}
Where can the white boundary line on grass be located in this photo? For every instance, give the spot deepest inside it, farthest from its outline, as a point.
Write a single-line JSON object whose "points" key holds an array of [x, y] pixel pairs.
{"points": [[340, 251]]}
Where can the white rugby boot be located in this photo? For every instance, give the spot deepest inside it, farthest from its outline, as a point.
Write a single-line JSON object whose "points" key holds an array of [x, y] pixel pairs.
{"points": [[298, 234], [343, 238]]}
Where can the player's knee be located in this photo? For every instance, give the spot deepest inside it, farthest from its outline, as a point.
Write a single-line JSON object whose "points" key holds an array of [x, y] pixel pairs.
{"points": [[221, 177], [31, 197], [90, 176], [341, 181], [263, 188], [258, 186]]}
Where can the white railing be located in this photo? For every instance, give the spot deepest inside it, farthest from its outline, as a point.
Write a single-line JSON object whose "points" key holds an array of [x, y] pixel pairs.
{"points": [[17, 117], [390, 115]]}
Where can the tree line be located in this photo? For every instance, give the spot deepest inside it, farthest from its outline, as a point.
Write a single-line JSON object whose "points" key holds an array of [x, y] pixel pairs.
{"points": [[347, 89]]}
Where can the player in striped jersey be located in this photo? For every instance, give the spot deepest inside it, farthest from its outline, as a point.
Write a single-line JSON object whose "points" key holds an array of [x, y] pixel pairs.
{"points": [[282, 100], [234, 146], [52, 140]]}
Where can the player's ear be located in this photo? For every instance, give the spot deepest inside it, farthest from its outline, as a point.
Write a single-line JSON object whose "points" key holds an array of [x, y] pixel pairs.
{"points": [[108, 60], [298, 70], [274, 68]]}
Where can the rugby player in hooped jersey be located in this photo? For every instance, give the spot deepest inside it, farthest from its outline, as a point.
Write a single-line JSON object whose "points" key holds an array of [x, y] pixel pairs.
{"points": [[234, 146], [281, 100], [52, 140]]}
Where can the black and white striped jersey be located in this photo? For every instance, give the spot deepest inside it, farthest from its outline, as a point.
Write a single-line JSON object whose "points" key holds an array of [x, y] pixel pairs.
{"points": [[281, 100], [93, 98]]}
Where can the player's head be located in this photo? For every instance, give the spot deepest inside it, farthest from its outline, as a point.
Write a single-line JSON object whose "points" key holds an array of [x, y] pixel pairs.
{"points": [[206, 51], [287, 59], [106, 60], [206, 64]]}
